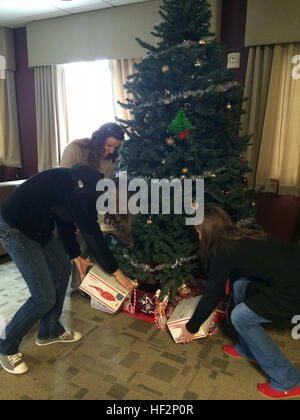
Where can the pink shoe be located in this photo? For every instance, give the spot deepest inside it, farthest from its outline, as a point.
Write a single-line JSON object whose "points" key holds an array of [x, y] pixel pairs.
{"points": [[268, 391], [231, 351]]}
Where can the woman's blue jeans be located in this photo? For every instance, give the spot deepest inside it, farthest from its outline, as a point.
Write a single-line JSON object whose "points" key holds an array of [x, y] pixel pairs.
{"points": [[255, 343], [46, 271]]}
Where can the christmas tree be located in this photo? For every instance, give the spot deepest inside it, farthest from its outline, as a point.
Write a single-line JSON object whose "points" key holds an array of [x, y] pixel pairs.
{"points": [[186, 109]]}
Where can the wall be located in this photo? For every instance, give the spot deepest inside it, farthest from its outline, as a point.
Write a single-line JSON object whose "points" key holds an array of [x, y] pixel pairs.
{"points": [[25, 90], [233, 29], [234, 14]]}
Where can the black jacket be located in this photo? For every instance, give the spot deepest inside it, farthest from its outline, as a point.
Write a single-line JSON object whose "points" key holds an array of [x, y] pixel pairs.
{"points": [[65, 198], [273, 267]]}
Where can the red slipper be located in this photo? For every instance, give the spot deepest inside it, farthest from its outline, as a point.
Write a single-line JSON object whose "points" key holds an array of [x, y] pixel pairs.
{"points": [[266, 390], [231, 351]]}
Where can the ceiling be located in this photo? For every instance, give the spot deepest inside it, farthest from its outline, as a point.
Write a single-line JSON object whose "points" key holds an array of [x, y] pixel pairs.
{"points": [[16, 13]]}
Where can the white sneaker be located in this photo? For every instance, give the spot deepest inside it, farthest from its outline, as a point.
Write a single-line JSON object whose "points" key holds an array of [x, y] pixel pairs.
{"points": [[13, 364], [67, 337]]}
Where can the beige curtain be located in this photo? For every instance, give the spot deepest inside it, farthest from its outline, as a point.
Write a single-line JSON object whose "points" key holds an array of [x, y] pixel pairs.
{"points": [[51, 115], [10, 153], [272, 115], [120, 70]]}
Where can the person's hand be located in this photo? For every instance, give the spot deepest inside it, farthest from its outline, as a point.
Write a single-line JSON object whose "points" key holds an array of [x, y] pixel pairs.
{"points": [[82, 266], [124, 280], [185, 336]]}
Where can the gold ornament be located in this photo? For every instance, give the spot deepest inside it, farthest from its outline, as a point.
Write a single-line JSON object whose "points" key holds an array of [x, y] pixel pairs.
{"points": [[184, 170], [198, 63], [213, 175], [228, 106], [170, 141], [202, 42], [184, 290], [195, 204], [149, 221], [163, 161], [165, 69], [135, 284]]}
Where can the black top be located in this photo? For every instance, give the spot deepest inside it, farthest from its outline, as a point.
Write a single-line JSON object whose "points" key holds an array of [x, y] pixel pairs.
{"points": [[273, 267], [65, 198]]}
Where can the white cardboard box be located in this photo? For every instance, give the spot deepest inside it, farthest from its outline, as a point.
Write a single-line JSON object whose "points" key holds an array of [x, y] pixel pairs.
{"points": [[104, 288], [182, 314]]}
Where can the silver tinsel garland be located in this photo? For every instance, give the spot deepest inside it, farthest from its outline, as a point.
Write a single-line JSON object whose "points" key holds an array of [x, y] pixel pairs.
{"points": [[148, 269]]}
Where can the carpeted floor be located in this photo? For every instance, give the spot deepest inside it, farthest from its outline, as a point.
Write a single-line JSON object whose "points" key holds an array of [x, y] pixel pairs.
{"points": [[122, 358]]}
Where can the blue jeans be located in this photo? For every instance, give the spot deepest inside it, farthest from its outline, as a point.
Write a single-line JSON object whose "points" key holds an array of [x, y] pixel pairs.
{"points": [[255, 343], [46, 271]]}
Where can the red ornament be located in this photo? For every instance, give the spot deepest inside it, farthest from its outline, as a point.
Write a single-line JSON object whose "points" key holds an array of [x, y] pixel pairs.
{"points": [[135, 101], [245, 180], [184, 134], [227, 192]]}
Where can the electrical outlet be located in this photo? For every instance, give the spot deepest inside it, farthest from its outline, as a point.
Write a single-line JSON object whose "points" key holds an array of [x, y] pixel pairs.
{"points": [[234, 61]]}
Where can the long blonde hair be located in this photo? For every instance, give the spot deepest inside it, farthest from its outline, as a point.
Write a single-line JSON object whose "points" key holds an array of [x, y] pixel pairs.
{"points": [[217, 225]]}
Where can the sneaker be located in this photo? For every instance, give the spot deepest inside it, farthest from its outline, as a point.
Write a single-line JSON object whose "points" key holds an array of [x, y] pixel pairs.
{"points": [[67, 337], [13, 364], [268, 391], [231, 351]]}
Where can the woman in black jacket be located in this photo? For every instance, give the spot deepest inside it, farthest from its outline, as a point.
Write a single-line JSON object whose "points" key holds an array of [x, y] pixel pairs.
{"points": [[65, 199], [265, 275]]}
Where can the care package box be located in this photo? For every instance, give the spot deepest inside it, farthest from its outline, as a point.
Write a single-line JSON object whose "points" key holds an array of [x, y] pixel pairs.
{"points": [[182, 314], [104, 288], [97, 305]]}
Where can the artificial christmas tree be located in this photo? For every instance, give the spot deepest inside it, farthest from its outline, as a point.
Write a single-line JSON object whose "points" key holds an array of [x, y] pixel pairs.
{"points": [[186, 110]]}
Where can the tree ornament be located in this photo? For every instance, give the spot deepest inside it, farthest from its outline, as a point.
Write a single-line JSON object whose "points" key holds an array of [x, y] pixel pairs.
{"points": [[181, 125], [184, 134], [213, 175], [228, 106], [167, 92], [136, 101], [253, 203], [226, 192], [184, 171], [170, 141], [195, 204], [163, 161], [165, 69], [184, 291], [135, 284], [245, 180], [202, 42], [150, 221], [198, 63]]}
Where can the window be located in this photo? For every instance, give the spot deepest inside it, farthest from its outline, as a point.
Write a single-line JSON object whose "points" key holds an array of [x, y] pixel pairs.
{"points": [[89, 97]]}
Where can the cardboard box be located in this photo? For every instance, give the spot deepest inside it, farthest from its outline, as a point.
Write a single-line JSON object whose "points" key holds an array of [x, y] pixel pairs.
{"points": [[97, 305], [104, 288], [182, 314]]}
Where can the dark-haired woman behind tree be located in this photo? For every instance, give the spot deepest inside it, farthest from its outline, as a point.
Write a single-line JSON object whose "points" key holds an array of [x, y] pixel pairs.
{"points": [[100, 151], [265, 277]]}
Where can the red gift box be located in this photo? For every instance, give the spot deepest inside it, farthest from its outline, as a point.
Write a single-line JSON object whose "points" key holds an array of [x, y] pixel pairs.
{"points": [[141, 304]]}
